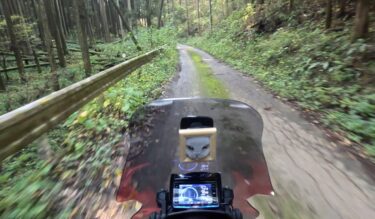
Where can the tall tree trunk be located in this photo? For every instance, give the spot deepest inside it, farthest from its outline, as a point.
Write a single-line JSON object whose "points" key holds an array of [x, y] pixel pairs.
{"points": [[148, 16], [160, 13], [13, 7], [13, 40], [133, 14], [36, 60], [49, 45], [126, 25], [342, 6], [2, 83], [199, 18], [91, 33], [129, 7], [4, 66], [167, 9], [60, 14], [39, 22], [104, 20], [291, 5], [120, 21], [68, 19], [226, 8], [97, 23], [187, 17], [54, 74], [27, 48], [81, 16], [361, 21], [112, 21], [210, 6], [52, 26], [59, 27], [233, 5], [329, 14]]}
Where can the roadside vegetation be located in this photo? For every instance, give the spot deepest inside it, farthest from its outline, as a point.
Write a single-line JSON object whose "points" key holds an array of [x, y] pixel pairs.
{"points": [[321, 69], [81, 148]]}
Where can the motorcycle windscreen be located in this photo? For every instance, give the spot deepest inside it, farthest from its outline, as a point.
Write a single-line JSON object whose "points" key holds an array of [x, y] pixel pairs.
{"points": [[153, 154]]}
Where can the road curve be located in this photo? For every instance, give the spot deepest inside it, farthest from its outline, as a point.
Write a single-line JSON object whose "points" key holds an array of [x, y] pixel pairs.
{"points": [[312, 176]]}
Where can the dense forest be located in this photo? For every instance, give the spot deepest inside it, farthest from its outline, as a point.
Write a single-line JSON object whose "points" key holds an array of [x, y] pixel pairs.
{"points": [[317, 55]]}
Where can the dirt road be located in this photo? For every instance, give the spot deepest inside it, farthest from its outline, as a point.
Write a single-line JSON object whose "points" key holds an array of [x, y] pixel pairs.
{"points": [[312, 177]]}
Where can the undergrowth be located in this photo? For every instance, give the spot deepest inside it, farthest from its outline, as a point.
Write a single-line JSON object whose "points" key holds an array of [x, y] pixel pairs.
{"points": [[38, 85], [31, 187], [322, 71]]}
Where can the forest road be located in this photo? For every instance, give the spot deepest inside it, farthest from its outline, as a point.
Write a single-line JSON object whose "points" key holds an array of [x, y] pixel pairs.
{"points": [[312, 176]]}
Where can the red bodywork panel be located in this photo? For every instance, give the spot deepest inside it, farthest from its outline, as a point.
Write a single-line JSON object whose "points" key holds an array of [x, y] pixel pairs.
{"points": [[153, 154]]}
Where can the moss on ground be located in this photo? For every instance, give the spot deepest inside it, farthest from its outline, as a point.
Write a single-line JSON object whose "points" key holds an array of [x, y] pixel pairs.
{"points": [[209, 84]]}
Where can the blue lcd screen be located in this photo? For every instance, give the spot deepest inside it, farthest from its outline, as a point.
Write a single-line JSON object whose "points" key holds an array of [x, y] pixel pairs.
{"points": [[195, 196]]}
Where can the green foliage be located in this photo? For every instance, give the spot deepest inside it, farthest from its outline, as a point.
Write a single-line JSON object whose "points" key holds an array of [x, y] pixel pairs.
{"points": [[28, 198], [249, 11], [23, 30], [87, 138], [321, 71], [38, 85]]}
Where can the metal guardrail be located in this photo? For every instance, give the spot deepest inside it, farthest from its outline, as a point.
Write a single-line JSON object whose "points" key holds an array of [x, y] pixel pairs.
{"points": [[20, 127]]}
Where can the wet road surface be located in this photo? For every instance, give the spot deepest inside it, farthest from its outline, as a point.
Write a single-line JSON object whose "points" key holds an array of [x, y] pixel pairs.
{"points": [[312, 176]]}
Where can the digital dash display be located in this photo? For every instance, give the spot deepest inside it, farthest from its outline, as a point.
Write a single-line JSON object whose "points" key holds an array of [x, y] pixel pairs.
{"points": [[203, 195]]}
